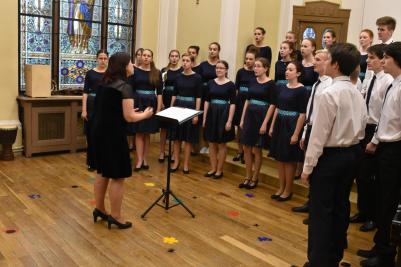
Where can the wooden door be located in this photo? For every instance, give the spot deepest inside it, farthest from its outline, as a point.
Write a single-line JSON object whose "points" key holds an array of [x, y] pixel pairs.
{"points": [[313, 19]]}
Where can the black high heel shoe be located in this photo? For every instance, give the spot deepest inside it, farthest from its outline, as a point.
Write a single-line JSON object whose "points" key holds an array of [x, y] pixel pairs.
{"points": [[282, 199], [218, 176], [145, 167], [111, 221], [98, 213], [244, 183], [161, 160], [185, 171], [175, 169], [209, 174], [238, 157], [252, 184]]}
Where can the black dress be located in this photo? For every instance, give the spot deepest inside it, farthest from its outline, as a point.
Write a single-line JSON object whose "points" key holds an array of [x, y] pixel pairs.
{"points": [[187, 89], [145, 95], [264, 51], [207, 72], [279, 74], [260, 97], [219, 97], [92, 82], [109, 131], [241, 85], [298, 56], [290, 103], [197, 69], [168, 85], [309, 78], [363, 65]]}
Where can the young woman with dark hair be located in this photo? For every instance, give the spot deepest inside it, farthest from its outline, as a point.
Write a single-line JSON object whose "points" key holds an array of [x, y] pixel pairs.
{"points": [[193, 50], [308, 48], [114, 108], [263, 50], [287, 55], [329, 38], [365, 41], [92, 80]]}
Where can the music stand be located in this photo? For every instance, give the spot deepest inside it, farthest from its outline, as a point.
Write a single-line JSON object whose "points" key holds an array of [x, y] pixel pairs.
{"points": [[172, 116]]}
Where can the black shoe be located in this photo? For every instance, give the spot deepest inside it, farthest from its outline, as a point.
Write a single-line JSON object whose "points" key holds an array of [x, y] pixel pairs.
{"points": [[377, 262], [91, 169], [218, 176], [357, 218], [137, 169], [252, 184], [175, 169], [161, 160], [209, 174], [238, 157], [185, 171], [297, 177], [111, 221], [282, 199], [98, 213], [366, 253], [304, 208], [306, 221], [193, 153], [244, 183], [274, 196], [368, 226], [145, 167]]}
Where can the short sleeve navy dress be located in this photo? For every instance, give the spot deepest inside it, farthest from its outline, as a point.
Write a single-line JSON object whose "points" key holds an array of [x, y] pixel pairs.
{"points": [[145, 95], [260, 97], [109, 132], [264, 51], [241, 85], [279, 73], [309, 78], [168, 85], [290, 103], [187, 89], [219, 97]]}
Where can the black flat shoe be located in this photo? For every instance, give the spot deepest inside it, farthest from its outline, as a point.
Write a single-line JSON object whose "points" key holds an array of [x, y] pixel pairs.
{"points": [[98, 213], [368, 226], [304, 208], [185, 171], [175, 169], [238, 157], [282, 199], [306, 221], [111, 221], [252, 184], [145, 167], [357, 218], [218, 176], [244, 183], [366, 253], [274, 196], [161, 160], [209, 174], [91, 169], [137, 169]]}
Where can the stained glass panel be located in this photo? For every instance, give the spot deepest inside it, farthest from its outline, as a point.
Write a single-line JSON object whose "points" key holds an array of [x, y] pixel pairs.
{"points": [[119, 39], [309, 33], [121, 11], [36, 7]]}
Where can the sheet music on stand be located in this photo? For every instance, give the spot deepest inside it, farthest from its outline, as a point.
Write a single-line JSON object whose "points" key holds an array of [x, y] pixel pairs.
{"points": [[178, 114]]}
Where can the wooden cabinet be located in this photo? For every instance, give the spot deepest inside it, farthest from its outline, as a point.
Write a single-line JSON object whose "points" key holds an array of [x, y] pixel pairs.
{"points": [[51, 124]]}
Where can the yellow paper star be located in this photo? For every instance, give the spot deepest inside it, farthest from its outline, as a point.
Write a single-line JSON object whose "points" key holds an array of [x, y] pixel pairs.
{"points": [[170, 240], [149, 184]]}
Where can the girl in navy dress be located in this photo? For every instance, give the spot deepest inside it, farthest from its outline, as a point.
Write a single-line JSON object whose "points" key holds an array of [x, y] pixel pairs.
{"points": [[365, 41], [218, 117], [147, 86], [308, 48], [169, 75], [93, 79], [291, 37], [193, 50], [263, 50], [287, 55], [114, 108], [138, 57], [258, 110], [329, 38], [187, 94], [286, 129], [208, 72], [244, 76]]}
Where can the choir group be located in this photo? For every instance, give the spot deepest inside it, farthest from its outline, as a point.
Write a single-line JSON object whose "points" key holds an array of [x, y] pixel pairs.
{"points": [[334, 111]]}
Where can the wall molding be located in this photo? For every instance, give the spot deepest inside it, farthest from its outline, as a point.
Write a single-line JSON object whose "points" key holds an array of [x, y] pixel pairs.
{"points": [[10, 123]]}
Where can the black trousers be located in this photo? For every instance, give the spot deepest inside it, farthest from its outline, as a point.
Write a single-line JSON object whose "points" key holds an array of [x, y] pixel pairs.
{"points": [[366, 179], [388, 186], [330, 187]]}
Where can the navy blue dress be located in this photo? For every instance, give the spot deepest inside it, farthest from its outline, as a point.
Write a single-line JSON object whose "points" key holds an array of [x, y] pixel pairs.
{"points": [[363, 65], [145, 95], [219, 97], [197, 69], [264, 51], [208, 72], [260, 97], [168, 85], [112, 155], [187, 89], [241, 85], [290, 103], [92, 81], [310, 77], [279, 73]]}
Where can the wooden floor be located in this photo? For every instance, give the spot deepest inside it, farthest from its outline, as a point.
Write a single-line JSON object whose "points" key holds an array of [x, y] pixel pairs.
{"points": [[56, 229]]}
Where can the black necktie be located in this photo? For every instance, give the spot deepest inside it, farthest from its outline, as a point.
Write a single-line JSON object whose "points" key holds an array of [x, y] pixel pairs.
{"points": [[312, 100], [372, 83]]}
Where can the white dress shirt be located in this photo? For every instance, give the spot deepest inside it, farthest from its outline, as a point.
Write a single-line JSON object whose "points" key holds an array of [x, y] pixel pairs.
{"points": [[389, 126], [340, 120], [325, 81], [380, 86]]}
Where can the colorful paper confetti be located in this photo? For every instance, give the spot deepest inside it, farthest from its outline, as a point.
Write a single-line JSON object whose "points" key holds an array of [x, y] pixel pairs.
{"points": [[92, 202], [149, 184], [170, 240], [264, 238], [194, 197], [75, 186], [256, 225], [34, 196], [250, 195], [233, 213], [171, 250], [10, 231]]}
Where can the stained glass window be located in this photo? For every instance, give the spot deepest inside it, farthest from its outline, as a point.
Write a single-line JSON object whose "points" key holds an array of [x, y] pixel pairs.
{"points": [[66, 34], [35, 34], [309, 33]]}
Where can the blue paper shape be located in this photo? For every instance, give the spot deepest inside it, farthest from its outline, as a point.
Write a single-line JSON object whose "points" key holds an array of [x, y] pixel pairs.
{"points": [[34, 196], [264, 238], [250, 195]]}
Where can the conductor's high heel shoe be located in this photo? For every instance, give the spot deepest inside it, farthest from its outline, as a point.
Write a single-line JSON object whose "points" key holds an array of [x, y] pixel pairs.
{"points": [[98, 213], [111, 221]]}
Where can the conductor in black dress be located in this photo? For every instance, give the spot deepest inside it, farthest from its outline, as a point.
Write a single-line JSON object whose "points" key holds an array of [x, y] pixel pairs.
{"points": [[114, 107], [332, 156]]}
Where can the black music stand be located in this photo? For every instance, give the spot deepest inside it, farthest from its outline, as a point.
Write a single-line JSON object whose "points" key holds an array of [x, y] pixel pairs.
{"points": [[172, 117]]}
